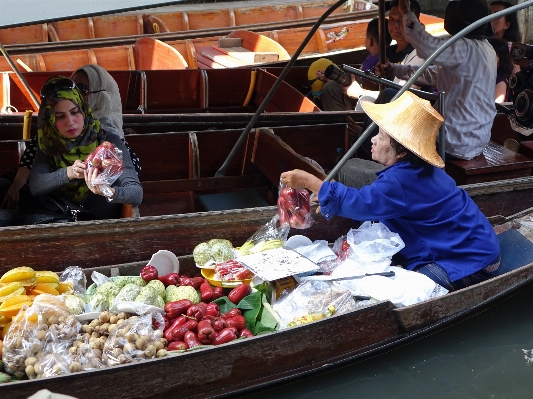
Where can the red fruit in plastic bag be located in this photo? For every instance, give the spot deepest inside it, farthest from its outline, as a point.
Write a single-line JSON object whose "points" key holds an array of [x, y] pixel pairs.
{"points": [[113, 166], [303, 199], [282, 211], [297, 221], [291, 198]]}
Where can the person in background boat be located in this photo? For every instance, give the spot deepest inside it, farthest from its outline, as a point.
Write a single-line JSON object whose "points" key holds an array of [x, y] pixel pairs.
{"points": [[507, 27], [504, 70], [102, 93], [446, 236], [67, 134], [316, 84], [461, 71], [334, 97]]}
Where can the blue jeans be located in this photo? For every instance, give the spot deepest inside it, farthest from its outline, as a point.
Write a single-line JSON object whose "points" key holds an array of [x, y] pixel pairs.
{"points": [[436, 273]]}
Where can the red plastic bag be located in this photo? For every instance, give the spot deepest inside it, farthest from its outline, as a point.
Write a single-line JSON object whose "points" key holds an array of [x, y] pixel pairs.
{"points": [[294, 207], [108, 160]]}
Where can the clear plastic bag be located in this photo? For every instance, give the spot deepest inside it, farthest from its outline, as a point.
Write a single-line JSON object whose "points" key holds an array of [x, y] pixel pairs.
{"points": [[108, 160], [269, 236], [134, 339], [294, 207], [373, 242], [76, 276], [313, 300], [38, 333]]}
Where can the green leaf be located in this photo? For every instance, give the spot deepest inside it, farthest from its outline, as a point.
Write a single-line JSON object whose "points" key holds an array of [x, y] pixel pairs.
{"points": [[267, 319], [224, 304], [252, 308]]}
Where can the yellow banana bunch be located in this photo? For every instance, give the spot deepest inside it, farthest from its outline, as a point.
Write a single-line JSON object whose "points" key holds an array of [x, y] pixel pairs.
{"points": [[266, 245]]}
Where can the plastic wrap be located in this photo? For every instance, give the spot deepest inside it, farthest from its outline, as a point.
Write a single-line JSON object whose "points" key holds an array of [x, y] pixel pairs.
{"points": [[232, 270], [320, 253], [313, 300], [108, 160], [294, 207], [76, 276], [37, 334], [269, 236], [372, 242], [134, 339]]}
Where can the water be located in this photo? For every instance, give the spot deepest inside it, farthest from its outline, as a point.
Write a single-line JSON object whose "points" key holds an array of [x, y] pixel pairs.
{"points": [[481, 357]]}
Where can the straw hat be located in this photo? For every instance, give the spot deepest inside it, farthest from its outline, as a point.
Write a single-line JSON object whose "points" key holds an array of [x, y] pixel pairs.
{"points": [[412, 122]]}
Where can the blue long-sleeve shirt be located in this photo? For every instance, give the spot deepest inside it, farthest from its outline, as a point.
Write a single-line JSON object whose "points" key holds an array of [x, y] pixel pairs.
{"points": [[437, 220]]}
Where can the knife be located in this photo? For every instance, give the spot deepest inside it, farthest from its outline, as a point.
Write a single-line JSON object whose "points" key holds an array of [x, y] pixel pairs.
{"points": [[322, 277]]}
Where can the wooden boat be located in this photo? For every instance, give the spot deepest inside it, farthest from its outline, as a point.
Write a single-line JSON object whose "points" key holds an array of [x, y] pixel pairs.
{"points": [[196, 20], [254, 363], [246, 48]]}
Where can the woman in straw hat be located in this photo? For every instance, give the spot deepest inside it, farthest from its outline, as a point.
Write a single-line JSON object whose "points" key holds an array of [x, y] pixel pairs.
{"points": [[446, 236]]}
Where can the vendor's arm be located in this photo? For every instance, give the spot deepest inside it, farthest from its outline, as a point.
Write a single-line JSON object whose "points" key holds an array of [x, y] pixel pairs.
{"points": [[12, 196], [299, 179], [383, 199]]}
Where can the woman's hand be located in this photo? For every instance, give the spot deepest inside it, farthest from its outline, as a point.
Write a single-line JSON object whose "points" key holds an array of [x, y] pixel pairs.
{"points": [[76, 171], [90, 176], [320, 76], [299, 179], [384, 70]]}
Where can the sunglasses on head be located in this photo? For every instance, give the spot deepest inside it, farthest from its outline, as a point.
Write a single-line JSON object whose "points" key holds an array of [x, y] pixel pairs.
{"points": [[65, 84], [85, 89]]}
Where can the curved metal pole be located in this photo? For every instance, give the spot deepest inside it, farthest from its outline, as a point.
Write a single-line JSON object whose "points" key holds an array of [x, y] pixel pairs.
{"points": [[262, 106], [14, 68], [419, 72]]}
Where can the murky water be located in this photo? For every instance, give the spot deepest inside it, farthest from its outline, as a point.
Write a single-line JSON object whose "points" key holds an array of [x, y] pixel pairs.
{"points": [[481, 357]]}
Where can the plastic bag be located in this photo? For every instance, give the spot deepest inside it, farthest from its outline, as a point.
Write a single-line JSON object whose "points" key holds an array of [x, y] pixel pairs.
{"points": [[313, 300], [294, 207], [76, 276], [36, 334], [373, 242], [404, 289], [134, 339], [269, 236], [232, 270], [320, 253], [108, 160]]}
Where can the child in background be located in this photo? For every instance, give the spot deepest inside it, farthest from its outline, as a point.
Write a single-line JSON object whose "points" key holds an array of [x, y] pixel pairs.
{"points": [[334, 97]]}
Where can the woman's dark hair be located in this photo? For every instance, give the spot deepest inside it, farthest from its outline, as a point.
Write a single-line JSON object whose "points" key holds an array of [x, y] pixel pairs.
{"points": [[506, 66], [512, 33], [409, 156]]}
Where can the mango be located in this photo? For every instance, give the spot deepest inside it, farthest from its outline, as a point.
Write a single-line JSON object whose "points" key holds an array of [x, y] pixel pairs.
{"points": [[4, 321], [9, 288], [45, 276], [65, 287], [18, 274], [43, 289]]}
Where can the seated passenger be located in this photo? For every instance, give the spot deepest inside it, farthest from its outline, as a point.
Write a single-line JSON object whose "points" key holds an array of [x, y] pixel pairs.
{"points": [[504, 70], [461, 71], [67, 134], [334, 96], [446, 236], [102, 94]]}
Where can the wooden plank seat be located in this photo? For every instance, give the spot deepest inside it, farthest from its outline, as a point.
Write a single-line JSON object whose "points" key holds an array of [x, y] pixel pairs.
{"points": [[24, 34], [273, 156], [495, 163]]}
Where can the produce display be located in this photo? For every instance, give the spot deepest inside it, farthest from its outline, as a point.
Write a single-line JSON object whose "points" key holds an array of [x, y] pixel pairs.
{"points": [[54, 324]]}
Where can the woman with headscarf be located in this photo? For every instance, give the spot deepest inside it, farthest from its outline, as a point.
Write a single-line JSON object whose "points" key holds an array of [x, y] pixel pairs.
{"points": [[446, 236], [103, 96], [67, 134]]}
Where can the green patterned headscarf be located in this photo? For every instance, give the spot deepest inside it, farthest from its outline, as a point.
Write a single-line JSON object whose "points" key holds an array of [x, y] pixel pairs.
{"points": [[63, 151]]}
